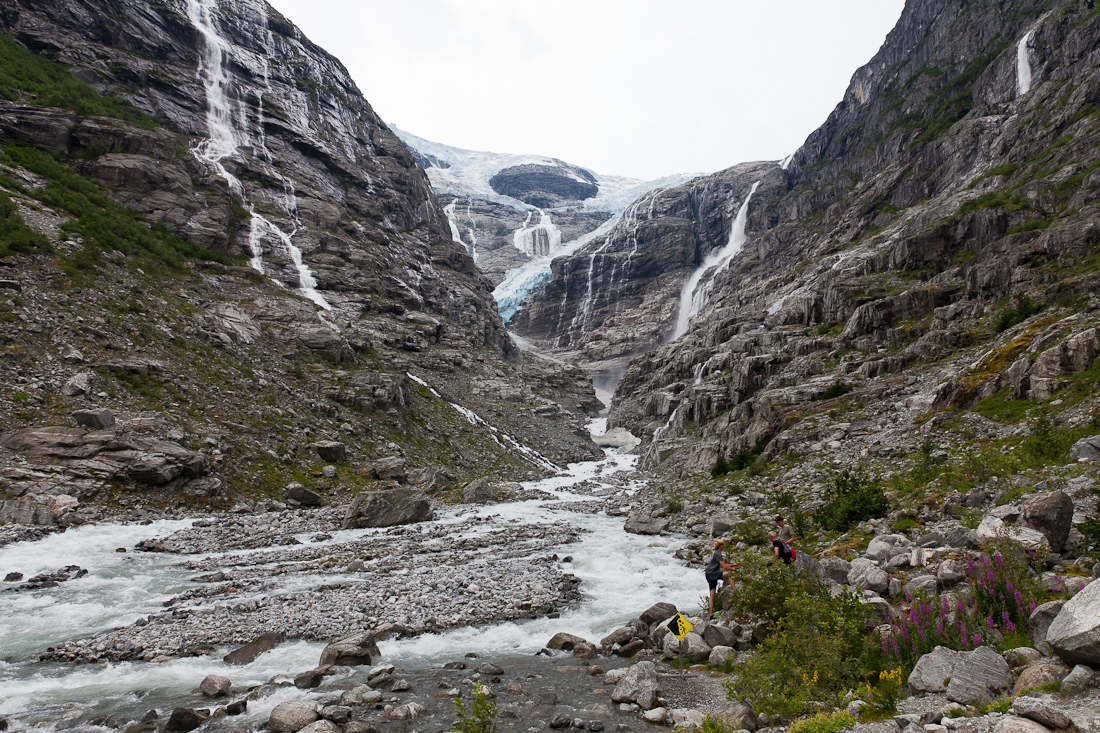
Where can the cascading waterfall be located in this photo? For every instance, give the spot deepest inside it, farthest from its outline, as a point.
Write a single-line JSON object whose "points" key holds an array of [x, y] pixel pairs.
{"points": [[659, 433], [228, 131], [451, 210], [540, 240], [695, 293], [1023, 58]]}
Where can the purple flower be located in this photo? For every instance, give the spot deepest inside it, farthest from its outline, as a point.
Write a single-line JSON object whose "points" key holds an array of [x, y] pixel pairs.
{"points": [[977, 639], [1010, 626], [997, 559], [969, 565], [989, 622], [1031, 606]]}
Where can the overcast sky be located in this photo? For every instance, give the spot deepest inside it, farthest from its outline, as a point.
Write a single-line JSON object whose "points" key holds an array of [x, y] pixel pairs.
{"points": [[640, 88]]}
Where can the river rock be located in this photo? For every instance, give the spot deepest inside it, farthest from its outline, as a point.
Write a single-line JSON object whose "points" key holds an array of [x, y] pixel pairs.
{"points": [[1040, 673], [658, 612], [479, 491], [354, 649], [1079, 678], [645, 524], [1051, 514], [215, 685], [321, 726], [1074, 635], [656, 716], [565, 642], [1013, 724], [585, 650], [976, 674], [933, 670], [247, 654], [638, 685], [387, 508], [408, 711], [182, 720], [292, 716], [1040, 710]]}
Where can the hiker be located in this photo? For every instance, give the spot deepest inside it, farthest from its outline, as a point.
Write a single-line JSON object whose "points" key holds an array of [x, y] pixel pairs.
{"points": [[717, 569], [779, 548], [785, 533]]}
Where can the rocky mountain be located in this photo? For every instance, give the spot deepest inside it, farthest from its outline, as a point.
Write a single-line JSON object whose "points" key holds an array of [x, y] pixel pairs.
{"points": [[225, 274], [929, 249]]}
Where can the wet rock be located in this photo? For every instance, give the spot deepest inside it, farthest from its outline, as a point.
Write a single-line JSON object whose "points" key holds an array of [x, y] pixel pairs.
{"points": [[182, 720], [387, 508], [215, 685], [658, 612], [584, 650], [479, 491], [933, 670], [1051, 514], [1074, 635], [645, 525], [292, 716], [336, 713], [489, 669], [565, 642], [309, 679], [240, 707], [13, 577], [976, 674], [321, 726], [408, 711], [247, 654]]}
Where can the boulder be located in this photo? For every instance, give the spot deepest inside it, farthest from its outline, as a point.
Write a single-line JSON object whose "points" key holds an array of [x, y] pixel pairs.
{"points": [[658, 612], [691, 646], [585, 650], [717, 635], [100, 419], [1039, 622], [565, 642], [657, 716], [1086, 449], [1040, 710], [182, 720], [617, 438], [408, 711], [719, 654], [645, 524], [302, 495], [1013, 724], [387, 508], [354, 649], [963, 537], [950, 572], [723, 523], [836, 568], [330, 451], [741, 715], [933, 671], [638, 685], [292, 716], [1079, 678], [322, 726], [215, 685], [1051, 514], [880, 547], [809, 565], [1022, 656], [1040, 673], [79, 384], [978, 674], [479, 491], [863, 573], [991, 527], [1074, 635], [390, 468], [247, 654]]}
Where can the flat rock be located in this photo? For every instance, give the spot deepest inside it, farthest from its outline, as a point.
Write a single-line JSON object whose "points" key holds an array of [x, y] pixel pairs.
{"points": [[1013, 724], [247, 654], [977, 673], [933, 670], [1041, 711]]}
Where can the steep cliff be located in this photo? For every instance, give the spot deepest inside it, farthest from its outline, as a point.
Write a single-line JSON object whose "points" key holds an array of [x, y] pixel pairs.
{"points": [[152, 151], [889, 253]]}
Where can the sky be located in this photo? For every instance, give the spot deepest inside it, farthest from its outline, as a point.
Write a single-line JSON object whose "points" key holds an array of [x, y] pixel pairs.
{"points": [[638, 88]]}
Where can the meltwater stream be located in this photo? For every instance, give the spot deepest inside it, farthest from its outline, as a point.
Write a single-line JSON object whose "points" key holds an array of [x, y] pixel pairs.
{"points": [[622, 575]]}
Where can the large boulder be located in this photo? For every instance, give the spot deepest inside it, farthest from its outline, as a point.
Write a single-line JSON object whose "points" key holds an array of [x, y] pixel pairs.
{"points": [[977, 675], [645, 524], [565, 642], [991, 528], [1041, 710], [479, 491], [215, 685], [1042, 672], [1051, 514], [1014, 724], [691, 646], [933, 671], [330, 451], [247, 654], [886, 546], [292, 716], [1074, 635], [387, 508], [638, 685], [864, 573], [658, 612], [836, 568], [1038, 623], [1086, 449], [100, 419], [357, 648]]}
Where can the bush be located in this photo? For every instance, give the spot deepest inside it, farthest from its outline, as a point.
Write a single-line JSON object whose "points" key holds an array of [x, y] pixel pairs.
{"points": [[15, 235], [851, 498], [824, 722], [1025, 308], [742, 459], [837, 389], [482, 715]]}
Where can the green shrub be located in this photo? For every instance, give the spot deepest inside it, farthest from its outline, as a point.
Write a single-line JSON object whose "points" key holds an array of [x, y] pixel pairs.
{"points": [[482, 715], [743, 458], [824, 722], [15, 235], [1025, 308], [837, 389], [851, 497]]}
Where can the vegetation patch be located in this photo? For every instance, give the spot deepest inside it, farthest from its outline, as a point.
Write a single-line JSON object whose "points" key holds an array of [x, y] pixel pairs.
{"points": [[850, 498]]}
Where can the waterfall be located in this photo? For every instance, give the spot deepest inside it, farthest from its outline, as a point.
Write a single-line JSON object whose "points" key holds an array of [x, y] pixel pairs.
{"points": [[695, 293], [456, 233], [227, 131], [1023, 58], [540, 240], [659, 433]]}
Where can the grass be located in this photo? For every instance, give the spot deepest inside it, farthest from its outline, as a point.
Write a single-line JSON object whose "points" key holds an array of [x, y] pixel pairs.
{"points": [[15, 235]]}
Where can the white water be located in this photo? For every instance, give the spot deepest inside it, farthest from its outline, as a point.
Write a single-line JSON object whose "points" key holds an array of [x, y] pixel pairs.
{"points": [[660, 432], [622, 575], [695, 293], [540, 240], [1023, 64], [226, 132]]}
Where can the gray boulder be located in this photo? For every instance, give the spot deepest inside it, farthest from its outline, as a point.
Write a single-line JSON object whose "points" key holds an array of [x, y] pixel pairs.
{"points": [[1041, 711], [1038, 623], [1079, 678], [836, 568], [478, 491], [638, 685], [644, 524], [215, 685], [79, 384], [809, 565], [658, 612], [390, 468], [1051, 514], [1013, 724], [723, 523], [717, 635], [408, 711], [330, 451], [354, 649], [387, 508], [719, 654], [933, 670], [863, 573], [963, 537], [977, 674], [302, 495], [881, 547], [95, 419], [1074, 635], [292, 716], [950, 573], [565, 642], [691, 646], [1086, 449]]}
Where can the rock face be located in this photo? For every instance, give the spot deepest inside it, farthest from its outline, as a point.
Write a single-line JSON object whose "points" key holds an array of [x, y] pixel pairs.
{"points": [[1074, 635], [387, 508]]}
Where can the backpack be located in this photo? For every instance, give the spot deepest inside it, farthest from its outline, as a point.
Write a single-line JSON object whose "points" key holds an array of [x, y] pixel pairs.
{"points": [[790, 550]]}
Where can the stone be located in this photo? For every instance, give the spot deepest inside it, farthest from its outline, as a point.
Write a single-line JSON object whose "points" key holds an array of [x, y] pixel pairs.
{"points": [[719, 655], [686, 718], [656, 715], [638, 685], [309, 679], [741, 715], [565, 642], [490, 669], [836, 569], [336, 713], [1086, 449], [247, 654], [658, 612], [723, 523], [1078, 679], [292, 716], [691, 646], [718, 635], [321, 726], [1022, 656], [330, 451], [408, 711], [645, 525], [240, 707], [933, 671], [1051, 514], [584, 650], [387, 508], [1040, 710], [390, 468], [479, 491], [353, 649], [963, 537], [1040, 673], [880, 547], [950, 572], [182, 720], [617, 438], [302, 495], [1074, 635], [79, 384], [1039, 622], [1013, 724], [976, 674], [864, 573], [991, 528], [922, 584], [95, 419], [215, 685]]}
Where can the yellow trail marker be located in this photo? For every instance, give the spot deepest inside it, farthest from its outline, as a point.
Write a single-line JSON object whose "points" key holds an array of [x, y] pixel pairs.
{"points": [[679, 626]]}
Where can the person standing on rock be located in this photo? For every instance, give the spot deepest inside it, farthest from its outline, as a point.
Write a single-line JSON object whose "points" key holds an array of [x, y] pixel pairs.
{"points": [[779, 548], [717, 569]]}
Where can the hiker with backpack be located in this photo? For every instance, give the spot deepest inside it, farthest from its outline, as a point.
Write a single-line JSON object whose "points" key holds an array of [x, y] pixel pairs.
{"points": [[782, 550], [717, 569]]}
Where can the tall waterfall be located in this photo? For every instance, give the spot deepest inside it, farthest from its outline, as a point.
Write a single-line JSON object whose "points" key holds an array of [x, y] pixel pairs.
{"points": [[539, 240], [1023, 58], [227, 131], [695, 292]]}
